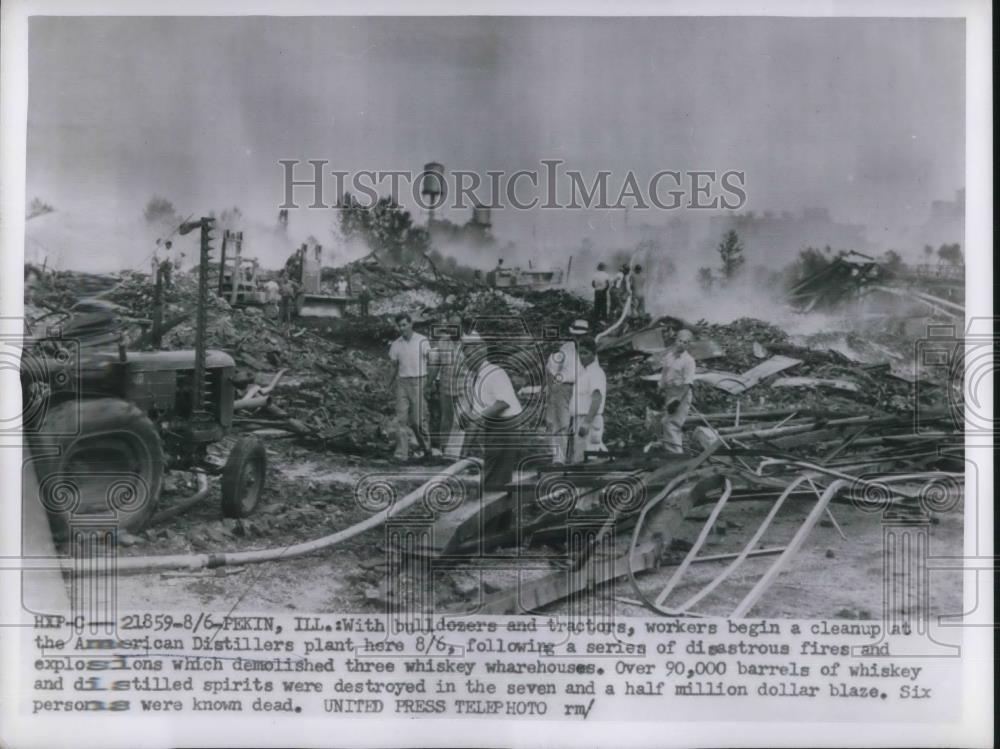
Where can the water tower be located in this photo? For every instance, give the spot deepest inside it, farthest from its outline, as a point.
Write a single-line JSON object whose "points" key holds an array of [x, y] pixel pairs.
{"points": [[432, 188]]}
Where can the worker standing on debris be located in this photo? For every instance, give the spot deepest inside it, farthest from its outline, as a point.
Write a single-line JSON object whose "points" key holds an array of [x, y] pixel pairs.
{"points": [[562, 368], [465, 374], [410, 353], [444, 372], [676, 382], [619, 290], [589, 398], [637, 283], [602, 284], [289, 290], [272, 291], [621, 277], [293, 265], [272, 298], [495, 417]]}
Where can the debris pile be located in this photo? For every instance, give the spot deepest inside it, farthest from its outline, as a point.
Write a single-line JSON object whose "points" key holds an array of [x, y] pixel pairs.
{"points": [[333, 391], [771, 411], [752, 365], [407, 301]]}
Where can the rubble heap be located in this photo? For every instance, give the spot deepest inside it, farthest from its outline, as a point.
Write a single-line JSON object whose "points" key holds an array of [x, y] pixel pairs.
{"points": [[334, 390]]}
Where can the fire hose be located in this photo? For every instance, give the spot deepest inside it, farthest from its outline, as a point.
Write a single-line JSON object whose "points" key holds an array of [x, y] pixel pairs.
{"points": [[213, 560], [626, 308]]}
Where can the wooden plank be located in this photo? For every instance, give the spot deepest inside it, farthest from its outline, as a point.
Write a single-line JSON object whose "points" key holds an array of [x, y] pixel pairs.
{"points": [[454, 528], [733, 383], [528, 597], [703, 348], [648, 341], [813, 382], [765, 369], [533, 594]]}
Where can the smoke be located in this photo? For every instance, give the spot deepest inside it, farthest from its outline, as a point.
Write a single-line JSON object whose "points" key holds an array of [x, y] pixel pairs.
{"points": [[99, 241], [671, 257]]}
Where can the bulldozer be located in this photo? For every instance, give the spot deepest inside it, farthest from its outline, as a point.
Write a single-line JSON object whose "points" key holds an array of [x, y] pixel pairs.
{"points": [[528, 278], [311, 301], [238, 282], [102, 424]]}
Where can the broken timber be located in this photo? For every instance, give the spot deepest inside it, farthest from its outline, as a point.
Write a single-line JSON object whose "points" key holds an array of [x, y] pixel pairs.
{"points": [[594, 569]]}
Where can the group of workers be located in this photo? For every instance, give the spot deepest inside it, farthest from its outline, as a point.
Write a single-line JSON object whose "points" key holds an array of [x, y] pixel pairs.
{"points": [[576, 393], [611, 295], [281, 293], [479, 408]]}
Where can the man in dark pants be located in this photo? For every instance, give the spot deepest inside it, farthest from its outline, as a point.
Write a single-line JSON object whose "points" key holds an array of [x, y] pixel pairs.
{"points": [[289, 291], [444, 378], [471, 442], [496, 414], [602, 284]]}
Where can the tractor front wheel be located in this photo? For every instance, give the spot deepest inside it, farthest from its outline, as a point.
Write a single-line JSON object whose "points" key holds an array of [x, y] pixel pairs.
{"points": [[243, 478]]}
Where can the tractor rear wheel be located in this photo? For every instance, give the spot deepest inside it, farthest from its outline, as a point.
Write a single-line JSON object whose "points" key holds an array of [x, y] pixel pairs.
{"points": [[98, 458], [243, 477]]}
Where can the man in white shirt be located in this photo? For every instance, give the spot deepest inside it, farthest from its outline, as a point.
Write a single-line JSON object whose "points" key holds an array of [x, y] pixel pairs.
{"points": [[495, 414], [676, 380], [562, 369], [589, 399], [409, 354], [602, 284]]}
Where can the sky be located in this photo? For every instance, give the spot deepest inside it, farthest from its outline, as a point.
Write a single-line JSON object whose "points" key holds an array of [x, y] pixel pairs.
{"points": [[864, 117]]}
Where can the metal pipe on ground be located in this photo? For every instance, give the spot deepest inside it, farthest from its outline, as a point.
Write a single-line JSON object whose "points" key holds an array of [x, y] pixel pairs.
{"points": [[222, 559], [769, 432], [626, 309]]}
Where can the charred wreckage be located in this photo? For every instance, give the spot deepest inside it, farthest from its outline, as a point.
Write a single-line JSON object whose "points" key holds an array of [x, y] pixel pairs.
{"points": [[834, 424]]}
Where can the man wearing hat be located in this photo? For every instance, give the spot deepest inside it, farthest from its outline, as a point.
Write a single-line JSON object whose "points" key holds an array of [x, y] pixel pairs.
{"points": [[676, 380], [563, 367]]}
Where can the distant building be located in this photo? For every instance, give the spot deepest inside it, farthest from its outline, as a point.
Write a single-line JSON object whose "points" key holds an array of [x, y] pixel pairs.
{"points": [[945, 224], [477, 231], [949, 210]]}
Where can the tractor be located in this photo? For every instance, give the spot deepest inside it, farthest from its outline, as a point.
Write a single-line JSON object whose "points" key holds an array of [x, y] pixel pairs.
{"points": [[104, 424]]}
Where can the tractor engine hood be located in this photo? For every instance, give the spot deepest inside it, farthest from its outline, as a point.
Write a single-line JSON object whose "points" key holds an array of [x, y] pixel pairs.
{"points": [[156, 361]]}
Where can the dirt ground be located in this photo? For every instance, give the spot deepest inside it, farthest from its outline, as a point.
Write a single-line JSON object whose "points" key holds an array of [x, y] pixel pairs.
{"points": [[310, 494]]}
